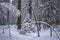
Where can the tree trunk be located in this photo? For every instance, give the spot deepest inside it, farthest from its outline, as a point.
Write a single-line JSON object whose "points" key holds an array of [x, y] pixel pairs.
{"points": [[19, 18], [30, 7], [19, 22]]}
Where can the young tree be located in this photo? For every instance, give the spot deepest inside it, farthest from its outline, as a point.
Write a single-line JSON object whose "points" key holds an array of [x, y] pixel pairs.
{"points": [[35, 16]]}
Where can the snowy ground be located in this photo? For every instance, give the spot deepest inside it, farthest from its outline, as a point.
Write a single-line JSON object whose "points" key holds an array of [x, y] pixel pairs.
{"points": [[44, 35]]}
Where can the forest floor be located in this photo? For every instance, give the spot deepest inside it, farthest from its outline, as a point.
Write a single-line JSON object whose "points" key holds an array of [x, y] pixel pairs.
{"points": [[15, 35]]}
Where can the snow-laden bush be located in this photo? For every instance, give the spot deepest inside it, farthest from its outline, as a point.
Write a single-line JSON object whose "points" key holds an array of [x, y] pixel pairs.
{"points": [[27, 25], [13, 12]]}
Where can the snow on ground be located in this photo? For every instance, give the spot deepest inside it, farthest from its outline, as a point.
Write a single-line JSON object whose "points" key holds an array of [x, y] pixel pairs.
{"points": [[44, 35]]}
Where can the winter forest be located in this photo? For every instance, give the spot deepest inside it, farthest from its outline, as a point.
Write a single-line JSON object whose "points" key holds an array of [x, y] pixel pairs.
{"points": [[29, 19]]}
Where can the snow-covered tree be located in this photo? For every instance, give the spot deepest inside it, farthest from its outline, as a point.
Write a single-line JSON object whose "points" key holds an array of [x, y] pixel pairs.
{"points": [[50, 14], [13, 12]]}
